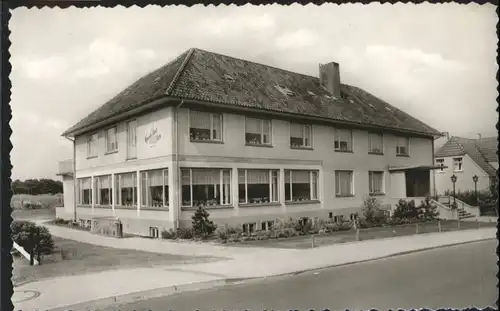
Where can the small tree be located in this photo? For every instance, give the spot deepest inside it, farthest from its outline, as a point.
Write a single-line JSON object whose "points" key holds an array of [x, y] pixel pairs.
{"points": [[406, 210], [36, 240], [371, 211], [428, 210], [202, 226]]}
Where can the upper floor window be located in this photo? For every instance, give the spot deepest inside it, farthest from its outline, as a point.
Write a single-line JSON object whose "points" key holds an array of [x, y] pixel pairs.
{"points": [[375, 143], [258, 186], [132, 139], [458, 164], [440, 163], [111, 140], [301, 185], [84, 191], [344, 183], [402, 146], [343, 140], [103, 190], [205, 126], [257, 131], [300, 135], [92, 146]]}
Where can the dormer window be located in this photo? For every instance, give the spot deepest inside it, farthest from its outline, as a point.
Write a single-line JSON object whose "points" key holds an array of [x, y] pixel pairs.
{"points": [[284, 90], [311, 93]]}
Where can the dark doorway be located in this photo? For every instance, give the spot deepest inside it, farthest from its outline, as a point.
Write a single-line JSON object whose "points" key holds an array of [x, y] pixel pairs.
{"points": [[418, 183]]}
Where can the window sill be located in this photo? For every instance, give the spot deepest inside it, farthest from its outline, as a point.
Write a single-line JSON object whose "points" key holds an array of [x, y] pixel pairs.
{"points": [[207, 141], [378, 194], [103, 206], [84, 206], [194, 208], [344, 196], [150, 208], [301, 148], [258, 145], [376, 153], [111, 152], [125, 207], [91, 157], [301, 202], [344, 151], [259, 204], [131, 159], [458, 171], [403, 155]]}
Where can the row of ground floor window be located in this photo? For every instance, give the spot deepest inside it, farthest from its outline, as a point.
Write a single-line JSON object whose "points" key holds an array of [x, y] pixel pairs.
{"points": [[213, 187]]}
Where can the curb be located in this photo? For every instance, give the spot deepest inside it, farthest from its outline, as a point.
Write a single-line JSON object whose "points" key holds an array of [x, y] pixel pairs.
{"points": [[147, 294]]}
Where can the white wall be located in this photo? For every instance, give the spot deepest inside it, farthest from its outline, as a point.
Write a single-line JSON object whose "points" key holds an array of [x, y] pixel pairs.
{"points": [[464, 178]]}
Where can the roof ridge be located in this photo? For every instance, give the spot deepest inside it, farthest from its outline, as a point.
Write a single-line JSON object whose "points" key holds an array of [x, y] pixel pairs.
{"points": [[180, 70], [260, 64]]}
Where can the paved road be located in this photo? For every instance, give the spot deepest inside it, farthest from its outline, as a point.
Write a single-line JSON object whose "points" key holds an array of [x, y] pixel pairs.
{"points": [[458, 276]]}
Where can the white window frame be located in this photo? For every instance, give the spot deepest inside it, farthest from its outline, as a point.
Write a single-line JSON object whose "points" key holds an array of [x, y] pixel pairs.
{"points": [[165, 188], [131, 141], [271, 193], [303, 133], [407, 146], [458, 160], [313, 183], [440, 162], [111, 146], [370, 147], [338, 194], [222, 202], [261, 127], [92, 150], [97, 180], [80, 191], [211, 115], [118, 193], [371, 181], [248, 225], [336, 140], [267, 224]]}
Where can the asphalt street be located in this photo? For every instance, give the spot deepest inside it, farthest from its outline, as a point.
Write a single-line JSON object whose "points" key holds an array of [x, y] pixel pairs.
{"points": [[458, 276]]}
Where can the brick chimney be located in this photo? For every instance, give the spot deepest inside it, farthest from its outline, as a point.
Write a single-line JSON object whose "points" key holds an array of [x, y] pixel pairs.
{"points": [[329, 77]]}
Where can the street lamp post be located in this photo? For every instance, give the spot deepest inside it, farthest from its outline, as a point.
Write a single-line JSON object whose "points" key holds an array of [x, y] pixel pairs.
{"points": [[454, 180], [475, 179]]}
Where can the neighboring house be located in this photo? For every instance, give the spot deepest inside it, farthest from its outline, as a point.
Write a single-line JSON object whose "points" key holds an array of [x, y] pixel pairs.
{"points": [[66, 173], [250, 142], [465, 158]]}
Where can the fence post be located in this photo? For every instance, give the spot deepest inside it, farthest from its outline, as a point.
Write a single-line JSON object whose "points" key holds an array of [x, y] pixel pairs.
{"points": [[478, 223], [357, 234], [416, 230], [458, 222], [313, 241], [439, 225]]}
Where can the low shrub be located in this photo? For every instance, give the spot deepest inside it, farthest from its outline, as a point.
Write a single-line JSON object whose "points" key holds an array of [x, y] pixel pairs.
{"points": [[169, 234], [185, 233]]}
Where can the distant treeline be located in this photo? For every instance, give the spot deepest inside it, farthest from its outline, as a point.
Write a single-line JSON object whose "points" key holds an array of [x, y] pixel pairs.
{"points": [[37, 186]]}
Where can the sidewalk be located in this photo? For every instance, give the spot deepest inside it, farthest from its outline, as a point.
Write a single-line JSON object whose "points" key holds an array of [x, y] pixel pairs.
{"points": [[249, 264]]}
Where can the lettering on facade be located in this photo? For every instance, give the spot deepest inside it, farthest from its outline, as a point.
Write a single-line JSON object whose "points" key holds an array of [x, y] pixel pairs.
{"points": [[152, 136]]}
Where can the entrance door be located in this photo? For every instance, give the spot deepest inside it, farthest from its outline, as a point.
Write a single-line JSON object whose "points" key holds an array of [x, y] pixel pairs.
{"points": [[418, 183]]}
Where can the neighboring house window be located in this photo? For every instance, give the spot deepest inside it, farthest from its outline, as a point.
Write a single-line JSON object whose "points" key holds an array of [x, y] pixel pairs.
{"points": [[458, 164], [258, 186], [154, 188], [301, 185], [249, 228], [132, 139], [440, 163], [402, 146], [338, 218], [126, 189], [376, 182], [343, 183], [375, 143], [257, 131], [207, 187], [266, 225], [92, 146], [300, 135], [103, 190], [111, 140], [343, 140], [205, 126], [85, 191]]}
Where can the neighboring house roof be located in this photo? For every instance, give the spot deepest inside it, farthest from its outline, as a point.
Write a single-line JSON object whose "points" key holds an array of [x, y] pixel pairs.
{"points": [[482, 151], [210, 77]]}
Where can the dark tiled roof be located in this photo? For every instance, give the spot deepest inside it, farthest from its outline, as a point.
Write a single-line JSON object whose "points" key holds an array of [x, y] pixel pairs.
{"points": [[211, 77], [480, 151]]}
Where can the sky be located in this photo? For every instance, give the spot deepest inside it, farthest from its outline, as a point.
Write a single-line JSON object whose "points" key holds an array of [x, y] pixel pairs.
{"points": [[435, 62]]}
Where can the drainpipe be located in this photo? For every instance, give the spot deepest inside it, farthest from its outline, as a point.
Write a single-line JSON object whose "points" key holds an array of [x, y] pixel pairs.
{"points": [[177, 168], [74, 176]]}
